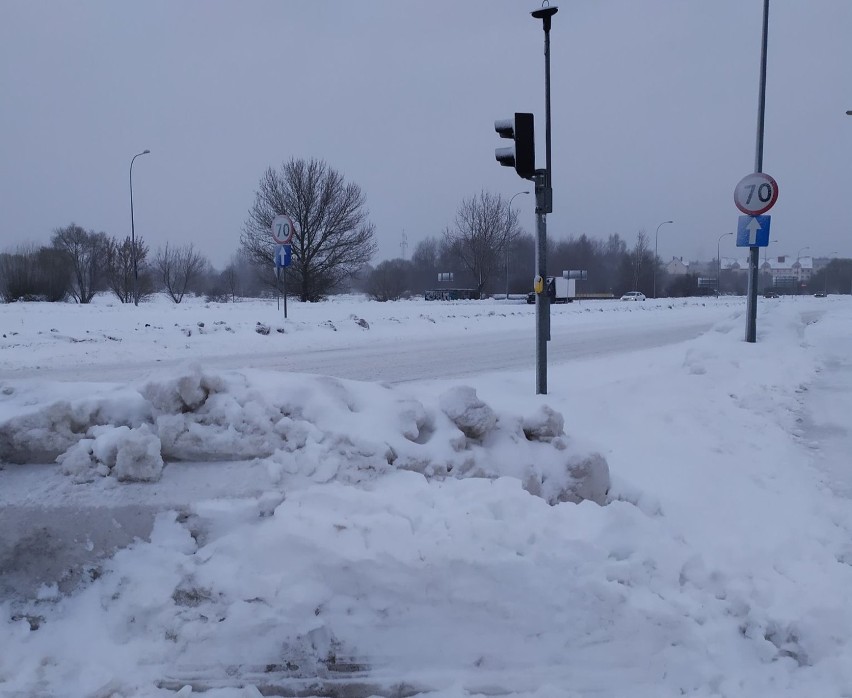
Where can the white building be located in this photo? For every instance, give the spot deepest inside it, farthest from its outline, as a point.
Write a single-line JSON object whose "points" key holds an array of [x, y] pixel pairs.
{"points": [[789, 271], [677, 267], [786, 271]]}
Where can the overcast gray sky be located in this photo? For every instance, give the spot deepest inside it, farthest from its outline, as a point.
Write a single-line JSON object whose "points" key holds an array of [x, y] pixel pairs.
{"points": [[654, 112]]}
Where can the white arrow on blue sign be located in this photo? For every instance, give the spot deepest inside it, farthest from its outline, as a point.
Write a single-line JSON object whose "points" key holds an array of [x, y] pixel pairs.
{"points": [[283, 256], [753, 231]]}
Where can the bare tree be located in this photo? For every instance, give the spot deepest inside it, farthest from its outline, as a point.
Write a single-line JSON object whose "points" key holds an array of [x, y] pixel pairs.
{"points": [[642, 262], [333, 236], [484, 227], [119, 268], [18, 274], [390, 280], [85, 251], [53, 274], [177, 268]]}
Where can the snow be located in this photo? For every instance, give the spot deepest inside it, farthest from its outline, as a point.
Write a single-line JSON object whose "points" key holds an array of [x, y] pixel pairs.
{"points": [[208, 511]]}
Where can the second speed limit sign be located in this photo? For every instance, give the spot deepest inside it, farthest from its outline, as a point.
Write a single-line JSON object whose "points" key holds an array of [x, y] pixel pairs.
{"points": [[756, 194]]}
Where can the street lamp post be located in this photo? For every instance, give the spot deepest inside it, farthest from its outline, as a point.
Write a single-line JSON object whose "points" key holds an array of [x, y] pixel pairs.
{"points": [[655, 254], [766, 259], [719, 262], [507, 242], [133, 234], [799, 269], [827, 266], [766, 250]]}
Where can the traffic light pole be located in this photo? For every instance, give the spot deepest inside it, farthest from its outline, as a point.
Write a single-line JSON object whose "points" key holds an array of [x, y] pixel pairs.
{"points": [[544, 205], [521, 129], [542, 300]]}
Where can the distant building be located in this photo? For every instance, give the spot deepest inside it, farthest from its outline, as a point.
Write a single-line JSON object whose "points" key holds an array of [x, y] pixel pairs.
{"points": [[677, 267], [785, 270], [789, 272]]}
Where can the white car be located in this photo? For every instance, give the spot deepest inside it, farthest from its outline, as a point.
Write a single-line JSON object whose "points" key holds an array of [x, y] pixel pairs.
{"points": [[633, 296]]}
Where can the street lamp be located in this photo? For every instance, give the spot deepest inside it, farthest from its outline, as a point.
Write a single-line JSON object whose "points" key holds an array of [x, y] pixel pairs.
{"points": [[507, 242], [799, 269], [133, 234], [719, 262], [655, 254], [766, 250], [827, 266]]}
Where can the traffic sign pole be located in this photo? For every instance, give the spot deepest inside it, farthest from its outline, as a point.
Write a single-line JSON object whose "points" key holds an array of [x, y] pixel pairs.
{"points": [[282, 230], [754, 252]]}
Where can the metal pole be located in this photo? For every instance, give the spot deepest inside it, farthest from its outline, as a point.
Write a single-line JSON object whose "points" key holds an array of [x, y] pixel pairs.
{"points": [[133, 234], [542, 300], [754, 252], [507, 242], [799, 269], [655, 255], [544, 205], [719, 261]]}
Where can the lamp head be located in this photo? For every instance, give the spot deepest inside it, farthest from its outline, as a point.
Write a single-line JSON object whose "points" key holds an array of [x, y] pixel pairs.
{"points": [[546, 11]]}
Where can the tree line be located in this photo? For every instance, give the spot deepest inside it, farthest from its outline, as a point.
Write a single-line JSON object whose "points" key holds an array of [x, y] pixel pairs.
{"points": [[484, 249], [80, 263]]}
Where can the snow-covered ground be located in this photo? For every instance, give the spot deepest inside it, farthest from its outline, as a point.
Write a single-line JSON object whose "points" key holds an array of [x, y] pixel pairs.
{"points": [[200, 498]]}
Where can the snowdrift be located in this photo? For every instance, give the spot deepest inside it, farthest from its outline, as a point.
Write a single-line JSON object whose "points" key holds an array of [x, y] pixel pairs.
{"points": [[307, 428]]}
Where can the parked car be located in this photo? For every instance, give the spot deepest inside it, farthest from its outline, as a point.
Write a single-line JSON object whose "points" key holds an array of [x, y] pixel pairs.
{"points": [[771, 294], [819, 295], [633, 296]]}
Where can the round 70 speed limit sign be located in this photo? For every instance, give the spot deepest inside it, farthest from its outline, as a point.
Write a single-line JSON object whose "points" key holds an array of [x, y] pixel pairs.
{"points": [[282, 229], [756, 194]]}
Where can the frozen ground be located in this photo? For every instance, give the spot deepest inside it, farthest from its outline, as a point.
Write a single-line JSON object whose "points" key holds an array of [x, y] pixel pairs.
{"points": [[672, 519]]}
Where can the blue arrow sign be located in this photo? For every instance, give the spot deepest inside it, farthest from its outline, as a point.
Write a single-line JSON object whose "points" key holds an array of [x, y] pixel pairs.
{"points": [[753, 231], [283, 256]]}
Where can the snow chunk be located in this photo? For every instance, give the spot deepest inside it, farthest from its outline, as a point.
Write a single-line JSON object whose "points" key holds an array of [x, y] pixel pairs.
{"points": [[470, 414], [186, 393], [545, 425], [42, 435], [130, 455]]}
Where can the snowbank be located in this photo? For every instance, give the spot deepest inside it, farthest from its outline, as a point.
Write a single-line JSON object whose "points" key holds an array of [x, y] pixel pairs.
{"points": [[307, 428]]}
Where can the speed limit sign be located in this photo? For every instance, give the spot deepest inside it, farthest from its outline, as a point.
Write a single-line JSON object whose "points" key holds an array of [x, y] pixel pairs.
{"points": [[756, 194], [282, 229]]}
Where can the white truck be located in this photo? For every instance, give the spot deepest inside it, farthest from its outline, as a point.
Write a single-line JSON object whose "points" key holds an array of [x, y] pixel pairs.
{"points": [[559, 289]]}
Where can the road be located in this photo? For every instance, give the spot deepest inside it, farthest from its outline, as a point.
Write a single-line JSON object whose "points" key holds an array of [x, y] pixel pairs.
{"points": [[444, 356]]}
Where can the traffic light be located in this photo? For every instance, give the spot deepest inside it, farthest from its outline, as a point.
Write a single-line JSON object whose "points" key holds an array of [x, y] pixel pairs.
{"points": [[522, 156]]}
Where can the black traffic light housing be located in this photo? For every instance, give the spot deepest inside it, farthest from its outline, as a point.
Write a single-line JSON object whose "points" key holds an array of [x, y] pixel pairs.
{"points": [[522, 157]]}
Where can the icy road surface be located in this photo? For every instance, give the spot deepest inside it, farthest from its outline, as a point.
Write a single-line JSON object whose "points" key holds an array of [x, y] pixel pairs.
{"points": [[391, 343]]}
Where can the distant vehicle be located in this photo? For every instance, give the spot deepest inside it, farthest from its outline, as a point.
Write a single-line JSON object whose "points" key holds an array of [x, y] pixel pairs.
{"points": [[819, 295], [559, 289], [771, 294], [633, 296]]}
